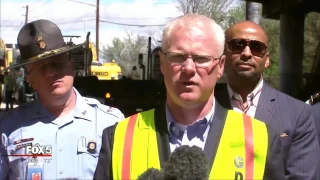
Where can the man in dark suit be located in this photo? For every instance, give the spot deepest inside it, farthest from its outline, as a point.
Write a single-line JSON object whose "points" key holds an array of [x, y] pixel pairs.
{"points": [[246, 59], [191, 61]]}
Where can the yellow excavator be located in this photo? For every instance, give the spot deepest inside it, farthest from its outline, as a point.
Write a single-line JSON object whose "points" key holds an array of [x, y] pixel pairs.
{"points": [[2, 53], [87, 64], [7, 54], [107, 71], [10, 54]]}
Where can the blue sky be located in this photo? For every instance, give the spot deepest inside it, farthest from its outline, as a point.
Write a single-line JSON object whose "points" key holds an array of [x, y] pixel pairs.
{"points": [[77, 19]]}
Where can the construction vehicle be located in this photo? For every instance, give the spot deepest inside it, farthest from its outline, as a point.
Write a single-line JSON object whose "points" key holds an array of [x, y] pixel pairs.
{"points": [[82, 56], [10, 54], [129, 95], [2, 64], [107, 71], [2, 53], [92, 67]]}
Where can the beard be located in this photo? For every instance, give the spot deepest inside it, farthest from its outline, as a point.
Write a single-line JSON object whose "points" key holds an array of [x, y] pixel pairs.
{"points": [[248, 75]]}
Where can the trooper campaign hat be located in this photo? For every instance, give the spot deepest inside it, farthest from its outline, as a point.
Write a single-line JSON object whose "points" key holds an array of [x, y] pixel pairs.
{"points": [[39, 40]]}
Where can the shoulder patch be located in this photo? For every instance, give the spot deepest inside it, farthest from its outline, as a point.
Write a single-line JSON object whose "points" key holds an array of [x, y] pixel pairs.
{"points": [[91, 101], [111, 110]]}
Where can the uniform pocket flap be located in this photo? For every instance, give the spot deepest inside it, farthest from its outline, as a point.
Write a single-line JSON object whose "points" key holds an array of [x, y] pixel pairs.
{"points": [[87, 146]]}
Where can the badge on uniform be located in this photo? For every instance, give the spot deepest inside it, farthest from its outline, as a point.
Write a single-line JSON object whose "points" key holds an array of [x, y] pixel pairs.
{"points": [[92, 146], [35, 171]]}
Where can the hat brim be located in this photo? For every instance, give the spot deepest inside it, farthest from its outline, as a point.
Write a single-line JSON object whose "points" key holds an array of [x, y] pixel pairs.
{"points": [[46, 55]]}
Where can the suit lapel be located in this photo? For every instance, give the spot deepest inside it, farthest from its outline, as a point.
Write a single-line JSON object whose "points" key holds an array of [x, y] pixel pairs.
{"points": [[266, 104], [162, 134], [215, 132]]}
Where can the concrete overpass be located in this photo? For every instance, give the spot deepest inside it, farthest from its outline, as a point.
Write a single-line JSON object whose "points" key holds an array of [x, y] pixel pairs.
{"points": [[291, 14]]}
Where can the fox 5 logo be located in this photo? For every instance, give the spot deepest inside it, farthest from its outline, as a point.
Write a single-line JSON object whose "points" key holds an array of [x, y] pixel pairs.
{"points": [[38, 149]]}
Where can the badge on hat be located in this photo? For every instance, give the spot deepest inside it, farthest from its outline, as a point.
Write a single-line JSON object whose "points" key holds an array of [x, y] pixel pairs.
{"points": [[92, 146], [41, 42]]}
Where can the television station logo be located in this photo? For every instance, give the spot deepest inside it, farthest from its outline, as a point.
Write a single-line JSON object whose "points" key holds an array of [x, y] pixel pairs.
{"points": [[33, 150]]}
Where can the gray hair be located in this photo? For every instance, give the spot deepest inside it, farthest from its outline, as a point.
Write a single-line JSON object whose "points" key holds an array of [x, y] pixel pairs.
{"points": [[189, 21]]}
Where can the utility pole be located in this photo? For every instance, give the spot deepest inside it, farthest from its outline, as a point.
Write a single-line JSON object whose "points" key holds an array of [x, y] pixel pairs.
{"points": [[253, 12], [97, 28], [149, 64], [26, 15]]}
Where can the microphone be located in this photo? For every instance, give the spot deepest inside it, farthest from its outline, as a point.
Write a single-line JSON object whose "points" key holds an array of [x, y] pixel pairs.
{"points": [[186, 163], [150, 174]]}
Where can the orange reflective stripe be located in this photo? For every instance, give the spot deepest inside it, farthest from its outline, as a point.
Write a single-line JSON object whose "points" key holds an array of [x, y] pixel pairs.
{"points": [[241, 153], [127, 147], [135, 147], [242, 149], [249, 146]]}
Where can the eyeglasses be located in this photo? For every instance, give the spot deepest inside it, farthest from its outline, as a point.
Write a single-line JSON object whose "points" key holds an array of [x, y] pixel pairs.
{"points": [[257, 48], [179, 58]]}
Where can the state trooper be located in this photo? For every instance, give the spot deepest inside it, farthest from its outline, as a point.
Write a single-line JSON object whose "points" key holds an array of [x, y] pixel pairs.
{"points": [[67, 125]]}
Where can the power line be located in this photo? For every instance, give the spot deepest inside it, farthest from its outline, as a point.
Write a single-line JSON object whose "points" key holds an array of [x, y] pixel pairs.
{"points": [[11, 26], [138, 25], [84, 3], [70, 22], [41, 10], [136, 18], [116, 23]]}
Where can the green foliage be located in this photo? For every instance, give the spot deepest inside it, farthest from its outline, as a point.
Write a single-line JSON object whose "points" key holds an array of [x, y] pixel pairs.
{"points": [[311, 40], [215, 9], [126, 51], [238, 12], [272, 28]]}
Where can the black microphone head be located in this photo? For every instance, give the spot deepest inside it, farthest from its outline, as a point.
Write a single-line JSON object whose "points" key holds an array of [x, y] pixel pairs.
{"points": [[150, 174], [187, 163]]}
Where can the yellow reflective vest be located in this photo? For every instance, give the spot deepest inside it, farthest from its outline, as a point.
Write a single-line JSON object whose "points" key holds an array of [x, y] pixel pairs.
{"points": [[241, 153]]}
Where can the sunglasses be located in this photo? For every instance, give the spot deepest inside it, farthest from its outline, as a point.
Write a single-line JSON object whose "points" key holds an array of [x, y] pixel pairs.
{"points": [[257, 48]]}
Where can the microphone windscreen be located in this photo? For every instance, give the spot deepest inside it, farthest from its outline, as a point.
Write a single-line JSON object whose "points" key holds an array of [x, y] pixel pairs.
{"points": [[150, 174], [186, 163]]}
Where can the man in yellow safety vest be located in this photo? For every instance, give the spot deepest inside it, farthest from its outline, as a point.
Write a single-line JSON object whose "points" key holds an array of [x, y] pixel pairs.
{"points": [[237, 146]]}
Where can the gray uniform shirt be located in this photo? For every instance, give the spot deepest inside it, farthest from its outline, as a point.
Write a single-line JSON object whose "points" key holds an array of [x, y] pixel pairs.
{"points": [[70, 138]]}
